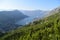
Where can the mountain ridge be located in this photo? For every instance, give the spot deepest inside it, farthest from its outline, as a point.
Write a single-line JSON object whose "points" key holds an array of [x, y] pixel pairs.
{"points": [[9, 18]]}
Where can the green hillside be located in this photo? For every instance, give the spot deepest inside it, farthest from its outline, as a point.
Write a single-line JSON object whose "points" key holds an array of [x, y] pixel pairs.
{"points": [[44, 29]]}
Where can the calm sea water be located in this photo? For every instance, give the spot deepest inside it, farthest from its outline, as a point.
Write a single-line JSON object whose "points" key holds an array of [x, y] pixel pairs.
{"points": [[28, 20]]}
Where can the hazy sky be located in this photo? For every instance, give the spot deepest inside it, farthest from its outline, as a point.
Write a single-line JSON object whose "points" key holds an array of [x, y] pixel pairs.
{"points": [[29, 4]]}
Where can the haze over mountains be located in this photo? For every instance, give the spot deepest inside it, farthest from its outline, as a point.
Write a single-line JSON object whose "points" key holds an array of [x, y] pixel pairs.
{"points": [[34, 13], [10, 20]]}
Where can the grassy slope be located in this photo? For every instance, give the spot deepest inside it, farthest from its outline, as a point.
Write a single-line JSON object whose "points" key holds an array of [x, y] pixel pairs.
{"points": [[44, 29]]}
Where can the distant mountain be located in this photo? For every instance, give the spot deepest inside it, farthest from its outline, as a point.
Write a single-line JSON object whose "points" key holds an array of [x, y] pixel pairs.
{"points": [[9, 18], [35, 13]]}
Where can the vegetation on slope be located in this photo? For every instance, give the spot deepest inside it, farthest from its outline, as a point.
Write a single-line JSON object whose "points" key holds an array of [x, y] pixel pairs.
{"points": [[43, 29]]}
